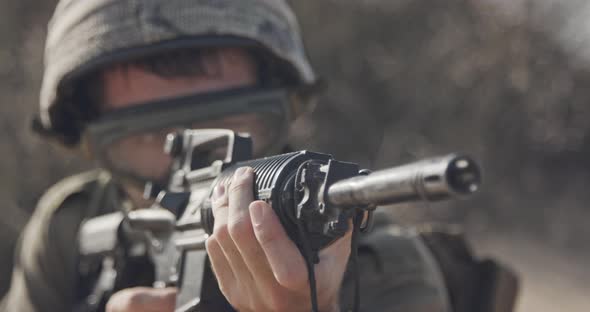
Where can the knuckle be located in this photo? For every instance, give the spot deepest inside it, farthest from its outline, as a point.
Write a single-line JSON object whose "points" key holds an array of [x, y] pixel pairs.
{"points": [[240, 227], [125, 300], [221, 234], [232, 296], [291, 279], [276, 302], [239, 184], [211, 245], [265, 235], [220, 214], [112, 305], [225, 290], [219, 202], [134, 302], [242, 178]]}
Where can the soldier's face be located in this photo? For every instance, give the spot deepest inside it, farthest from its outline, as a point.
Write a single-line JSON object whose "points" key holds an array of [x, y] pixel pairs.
{"points": [[129, 86]]}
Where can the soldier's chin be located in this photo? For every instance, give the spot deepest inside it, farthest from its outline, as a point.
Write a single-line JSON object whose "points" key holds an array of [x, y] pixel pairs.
{"points": [[138, 181]]}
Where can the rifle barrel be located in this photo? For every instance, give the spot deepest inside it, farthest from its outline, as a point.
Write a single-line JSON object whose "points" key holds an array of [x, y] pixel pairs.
{"points": [[431, 179]]}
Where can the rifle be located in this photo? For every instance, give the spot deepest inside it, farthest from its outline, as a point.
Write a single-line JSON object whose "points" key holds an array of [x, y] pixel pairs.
{"points": [[313, 194]]}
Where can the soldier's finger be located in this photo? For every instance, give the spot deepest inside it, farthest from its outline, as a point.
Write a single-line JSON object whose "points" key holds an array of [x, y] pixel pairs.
{"points": [[222, 237], [285, 260], [223, 271], [219, 204], [241, 230], [240, 195], [142, 299]]}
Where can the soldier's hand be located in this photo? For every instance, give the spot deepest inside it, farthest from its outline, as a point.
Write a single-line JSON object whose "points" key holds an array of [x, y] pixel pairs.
{"points": [[257, 266], [142, 299]]}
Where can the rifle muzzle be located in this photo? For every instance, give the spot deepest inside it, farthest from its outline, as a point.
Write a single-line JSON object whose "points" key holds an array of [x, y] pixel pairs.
{"points": [[431, 180]]}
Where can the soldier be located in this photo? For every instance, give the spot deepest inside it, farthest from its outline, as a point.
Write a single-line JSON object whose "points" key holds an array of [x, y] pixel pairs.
{"points": [[131, 60]]}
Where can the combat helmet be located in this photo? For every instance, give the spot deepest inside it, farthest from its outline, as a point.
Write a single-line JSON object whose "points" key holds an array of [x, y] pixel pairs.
{"points": [[86, 35]]}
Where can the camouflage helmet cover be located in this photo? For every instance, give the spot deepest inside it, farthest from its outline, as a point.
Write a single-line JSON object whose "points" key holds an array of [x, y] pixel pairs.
{"points": [[84, 35]]}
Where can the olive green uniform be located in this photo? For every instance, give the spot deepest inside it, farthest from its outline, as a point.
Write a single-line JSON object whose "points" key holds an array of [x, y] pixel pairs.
{"points": [[397, 271]]}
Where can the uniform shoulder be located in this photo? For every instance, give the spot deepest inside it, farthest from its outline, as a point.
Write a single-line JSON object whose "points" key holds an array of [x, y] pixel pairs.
{"points": [[60, 210], [45, 272], [396, 247], [400, 271], [57, 195]]}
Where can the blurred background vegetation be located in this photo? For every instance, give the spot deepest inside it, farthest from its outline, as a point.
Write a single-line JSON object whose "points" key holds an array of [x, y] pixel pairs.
{"points": [[503, 80]]}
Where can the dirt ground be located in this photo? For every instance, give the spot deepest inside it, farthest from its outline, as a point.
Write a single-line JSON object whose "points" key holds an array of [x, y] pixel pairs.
{"points": [[551, 281]]}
